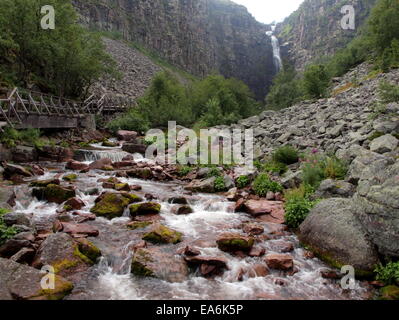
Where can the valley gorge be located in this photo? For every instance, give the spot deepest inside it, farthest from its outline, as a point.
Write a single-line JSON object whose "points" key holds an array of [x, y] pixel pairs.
{"points": [[91, 210]]}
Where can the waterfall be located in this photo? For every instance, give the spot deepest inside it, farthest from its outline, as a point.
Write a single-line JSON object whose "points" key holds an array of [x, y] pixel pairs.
{"points": [[276, 50]]}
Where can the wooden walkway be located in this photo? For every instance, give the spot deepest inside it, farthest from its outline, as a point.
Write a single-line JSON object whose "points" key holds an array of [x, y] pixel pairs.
{"points": [[30, 109]]}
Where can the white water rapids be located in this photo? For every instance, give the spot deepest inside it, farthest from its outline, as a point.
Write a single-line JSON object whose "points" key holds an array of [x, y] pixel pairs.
{"points": [[111, 277]]}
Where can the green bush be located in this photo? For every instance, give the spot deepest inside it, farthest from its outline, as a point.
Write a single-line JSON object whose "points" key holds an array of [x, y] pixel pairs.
{"points": [[286, 155], [214, 172], [317, 168], [184, 170], [388, 92], [388, 273], [316, 81], [296, 210], [5, 232], [219, 184], [263, 184], [243, 181], [285, 91], [11, 137], [133, 120]]}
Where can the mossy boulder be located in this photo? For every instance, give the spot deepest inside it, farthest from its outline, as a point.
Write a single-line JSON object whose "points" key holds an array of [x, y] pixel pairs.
{"points": [[21, 282], [122, 187], [159, 263], [54, 193], [390, 293], [140, 173], [70, 177], [232, 242], [64, 254], [160, 234], [112, 205], [139, 225], [110, 144], [88, 249], [44, 183], [144, 208]]}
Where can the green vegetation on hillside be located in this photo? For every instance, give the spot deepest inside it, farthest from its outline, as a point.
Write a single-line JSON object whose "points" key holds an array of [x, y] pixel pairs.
{"points": [[212, 101], [64, 61], [378, 42]]}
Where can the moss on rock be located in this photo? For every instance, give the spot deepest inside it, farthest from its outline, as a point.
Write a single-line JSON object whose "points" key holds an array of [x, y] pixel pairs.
{"points": [[54, 193], [112, 205], [70, 177], [145, 208], [235, 242], [161, 234], [139, 225], [390, 293]]}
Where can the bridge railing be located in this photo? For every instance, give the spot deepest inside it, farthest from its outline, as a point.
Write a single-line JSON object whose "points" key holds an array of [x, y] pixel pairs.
{"points": [[20, 103]]}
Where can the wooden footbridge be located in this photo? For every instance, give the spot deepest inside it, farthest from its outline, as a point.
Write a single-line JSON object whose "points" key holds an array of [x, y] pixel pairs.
{"points": [[23, 109]]}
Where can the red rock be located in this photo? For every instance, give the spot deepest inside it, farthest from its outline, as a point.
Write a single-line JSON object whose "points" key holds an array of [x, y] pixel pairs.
{"points": [[257, 252], [124, 135], [264, 207], [239, 205], [330, 274], [83, 217], [108, 185], [79, 230], [253, 229], [75, 203], [308, 254], [208, 266], [233, 242], [191, 251], [76, 165], [136, 188], [279, 196], [280, 261], [182, 210], [129, 157], [123, 164], [259, 270], [99, 164], [37, 170], [377, 284], [282, 246], [280, 282]]}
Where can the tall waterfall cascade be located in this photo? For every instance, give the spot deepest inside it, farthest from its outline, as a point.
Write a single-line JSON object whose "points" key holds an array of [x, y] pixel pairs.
{"points": [[276, 50]]}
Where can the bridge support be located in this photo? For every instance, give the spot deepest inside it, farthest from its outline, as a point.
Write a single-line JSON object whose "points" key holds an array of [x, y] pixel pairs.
{"points": [[47, 122]]}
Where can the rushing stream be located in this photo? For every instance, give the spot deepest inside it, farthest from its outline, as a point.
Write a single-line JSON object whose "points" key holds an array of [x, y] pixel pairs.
{"points": [[110, 278]]}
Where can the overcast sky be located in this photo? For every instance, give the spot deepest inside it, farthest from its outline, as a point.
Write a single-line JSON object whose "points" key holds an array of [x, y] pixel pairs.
{"points": [[267, 11]]}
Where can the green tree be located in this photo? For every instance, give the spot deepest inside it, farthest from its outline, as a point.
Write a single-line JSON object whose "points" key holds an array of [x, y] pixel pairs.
{"points": [[316, 81], [384, 24], [285, 91], [64, 61]]}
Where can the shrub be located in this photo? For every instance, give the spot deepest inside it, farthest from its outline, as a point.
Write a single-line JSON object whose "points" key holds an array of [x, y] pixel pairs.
{"points": [[296, 210], [219, 184], [5, 232], [133, 120], [263, 184], [11, 137], [242, 181], [214, 172], [285, 91], [316, 81], [286, 154], [388, 92], [317, 168], [388, 273], [184, 170]]}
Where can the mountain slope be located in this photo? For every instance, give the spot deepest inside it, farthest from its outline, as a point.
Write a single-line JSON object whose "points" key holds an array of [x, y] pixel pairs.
{"points": [[200, 36], [314, 30]]}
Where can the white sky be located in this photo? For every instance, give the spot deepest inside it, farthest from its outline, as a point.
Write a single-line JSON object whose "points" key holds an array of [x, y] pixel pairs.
{"points": [[267, 11]]}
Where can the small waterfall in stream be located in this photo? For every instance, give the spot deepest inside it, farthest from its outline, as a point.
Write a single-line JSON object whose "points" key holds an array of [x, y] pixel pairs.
{"points": [[276, 50]]}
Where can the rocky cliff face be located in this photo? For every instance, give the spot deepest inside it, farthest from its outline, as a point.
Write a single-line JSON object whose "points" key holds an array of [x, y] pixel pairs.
{"points": [[314, 30], [200, 36]]}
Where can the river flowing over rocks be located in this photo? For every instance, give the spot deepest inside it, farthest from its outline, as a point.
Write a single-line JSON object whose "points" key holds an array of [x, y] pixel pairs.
{"points": [[161, 242]]}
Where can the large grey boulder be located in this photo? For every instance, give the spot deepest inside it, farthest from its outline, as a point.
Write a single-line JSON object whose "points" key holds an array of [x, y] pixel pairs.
{"points": [[333, 189], [333, 232], [377, 206], [21, 282], [384, 144]]}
